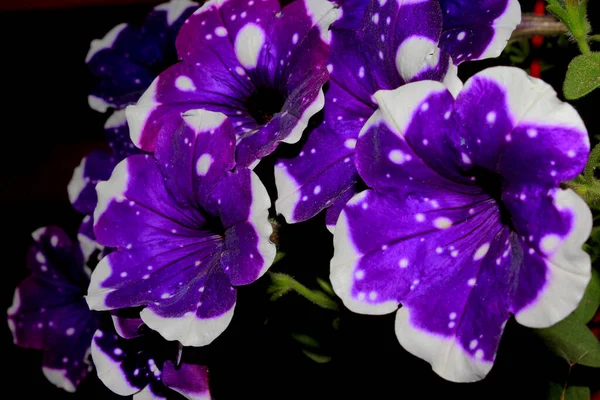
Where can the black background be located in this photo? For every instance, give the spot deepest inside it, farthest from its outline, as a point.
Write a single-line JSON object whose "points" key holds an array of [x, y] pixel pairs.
{"points": [[46, 128]]}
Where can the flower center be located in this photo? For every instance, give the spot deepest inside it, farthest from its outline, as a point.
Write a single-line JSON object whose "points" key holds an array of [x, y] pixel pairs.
{"points": [[213, 224], [491, 183], [263, 104]]}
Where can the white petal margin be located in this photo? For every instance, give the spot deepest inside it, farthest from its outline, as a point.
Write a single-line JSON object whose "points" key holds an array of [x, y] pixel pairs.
{"points": [[58, 377], [322, 14], [116, 120], [531, 100], [174, 9], [106, 42], [200, 120], [396, 110], [314, 107], [98, 104], [96, 296], [11, 311], [447, 357], [138, 113], [109, 371], [112, 190], [343, 265], [288, 193], [259, 218], [147, 394], [77, 182], [503, 26], [569, 268], [189, 330], [451, 80]]}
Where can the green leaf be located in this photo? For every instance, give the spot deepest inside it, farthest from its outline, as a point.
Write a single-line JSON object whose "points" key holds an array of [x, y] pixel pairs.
{"points": [[583, 76], [305, 340], [319, 358], [559, 392], [574, 342], [326, 286], [282, 284], [591, 300], [570, 338], [556, 8]]}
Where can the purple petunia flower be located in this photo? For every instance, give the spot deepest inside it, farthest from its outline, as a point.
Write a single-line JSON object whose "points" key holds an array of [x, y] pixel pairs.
{"points": [[185, 228], [262, 66], [49, 311], [138, 364], [128, 58], [465, 223], [379, 45]]}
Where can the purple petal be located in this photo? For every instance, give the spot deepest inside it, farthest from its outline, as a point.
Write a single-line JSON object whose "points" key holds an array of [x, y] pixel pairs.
{"points": [[520, 129], [127, 326], [163, 254], [117, 135], [202, 152], [123, 369], [478, 29], [244, 213], [90, 248], [196, 316], [231, 52], [127, 58], [49, 312], [194, 152], [170, 255], [190, 380], [552, 226], [458, 245], [396, 43], [94, 167]]}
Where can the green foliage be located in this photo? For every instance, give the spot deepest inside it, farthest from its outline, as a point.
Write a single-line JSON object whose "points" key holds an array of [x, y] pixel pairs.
{"points": [[283, 283], [583, 76], [573, 13], [318, 358], [586, 185], [558, 392], [570, 338]]}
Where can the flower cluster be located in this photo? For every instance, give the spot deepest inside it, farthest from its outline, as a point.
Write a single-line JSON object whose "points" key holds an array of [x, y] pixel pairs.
{"points": [[442, 198]]}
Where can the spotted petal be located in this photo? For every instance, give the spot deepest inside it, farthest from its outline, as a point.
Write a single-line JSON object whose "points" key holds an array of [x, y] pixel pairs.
{"points": [[49, 312], [394, 44], [520, 129], [477, 29], [126, 59], [117, 135], [434, 237], [232, 50], [94, 167], [130, 366]]}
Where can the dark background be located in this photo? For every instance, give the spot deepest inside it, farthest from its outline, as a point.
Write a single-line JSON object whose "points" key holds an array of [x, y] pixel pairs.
{"points": [[47, 127]]}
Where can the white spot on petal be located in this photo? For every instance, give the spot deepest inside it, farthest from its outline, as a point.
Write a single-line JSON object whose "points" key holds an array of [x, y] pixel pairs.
{"points": [[481, 251], [203, 164]]}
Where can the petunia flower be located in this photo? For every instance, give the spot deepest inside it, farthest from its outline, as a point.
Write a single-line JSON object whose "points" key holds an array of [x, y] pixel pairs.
{"points": [[465, 222], [186, 231], [262, 66], [375, 45], [139, 362], [49, 311], [127, 59]]}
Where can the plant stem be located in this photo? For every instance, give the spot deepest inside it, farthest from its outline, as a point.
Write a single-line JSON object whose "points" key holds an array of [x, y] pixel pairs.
{"points": [[538, 25]]}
